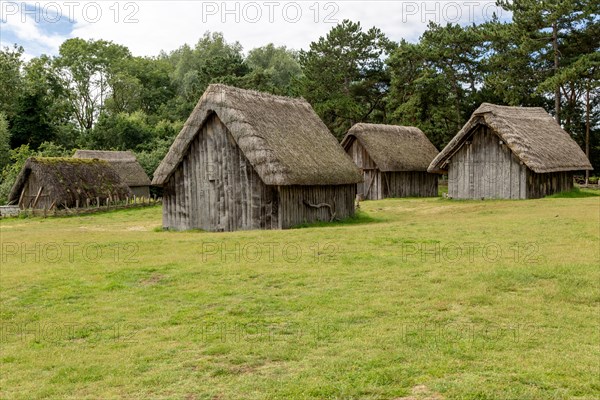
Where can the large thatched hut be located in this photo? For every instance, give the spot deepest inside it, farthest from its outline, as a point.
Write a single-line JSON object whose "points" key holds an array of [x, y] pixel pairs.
{"points": [[249, 160], [126, 165], [510, 153], [393, 160], [46, 182]]}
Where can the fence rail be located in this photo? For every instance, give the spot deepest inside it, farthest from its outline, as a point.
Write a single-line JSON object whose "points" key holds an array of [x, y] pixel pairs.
{"points": [[95, 207]]}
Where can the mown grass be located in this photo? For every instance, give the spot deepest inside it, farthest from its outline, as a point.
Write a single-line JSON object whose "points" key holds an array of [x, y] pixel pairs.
{"points": [[419, 298]]}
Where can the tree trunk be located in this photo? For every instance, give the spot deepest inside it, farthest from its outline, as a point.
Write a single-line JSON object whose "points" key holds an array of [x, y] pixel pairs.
{"points": [[557, 90], [587, 129]]}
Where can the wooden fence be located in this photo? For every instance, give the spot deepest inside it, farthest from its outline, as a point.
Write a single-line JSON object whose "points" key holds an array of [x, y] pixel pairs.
{"points": [[91, 207]]}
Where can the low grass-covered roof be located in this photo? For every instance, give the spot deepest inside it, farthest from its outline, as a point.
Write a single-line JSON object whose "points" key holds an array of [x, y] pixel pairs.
{"points": [[69, 179], [124, 162]]}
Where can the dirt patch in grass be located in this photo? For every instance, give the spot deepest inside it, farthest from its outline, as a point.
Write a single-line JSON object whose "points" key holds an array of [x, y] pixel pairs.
{"points": [[422, 392], [152, 280]]}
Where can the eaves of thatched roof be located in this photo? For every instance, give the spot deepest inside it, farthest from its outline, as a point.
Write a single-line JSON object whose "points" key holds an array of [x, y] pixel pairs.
{"points": [[283, 138], [392, 147], [531, 134]]}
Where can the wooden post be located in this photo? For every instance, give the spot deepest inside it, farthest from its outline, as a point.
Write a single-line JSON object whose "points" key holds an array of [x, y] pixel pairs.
{"points": [[37, 197], [97, 202], [21, 198], [371, 184], [77, 203], [87, 201]]}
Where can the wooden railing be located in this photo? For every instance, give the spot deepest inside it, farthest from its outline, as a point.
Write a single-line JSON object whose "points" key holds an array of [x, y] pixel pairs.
{"points": [[92, 206]]}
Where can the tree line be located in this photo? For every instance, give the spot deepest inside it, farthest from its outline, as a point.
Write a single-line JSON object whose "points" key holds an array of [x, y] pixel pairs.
{"points": [[96, 95]]}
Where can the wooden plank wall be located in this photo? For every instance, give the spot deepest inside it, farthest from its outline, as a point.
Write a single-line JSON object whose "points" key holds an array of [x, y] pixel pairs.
{"points": [[390, 184], [410, 184], [371, 175], [31, 187], [540, 185], [140, 191], [486, 169], [294, 212], [215, 188]]}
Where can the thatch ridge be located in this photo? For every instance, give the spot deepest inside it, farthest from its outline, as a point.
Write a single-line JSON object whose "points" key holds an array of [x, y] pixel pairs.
{"points": [[531, 134], [69, 179], [124, 162], [282, 137], [393, 148]]}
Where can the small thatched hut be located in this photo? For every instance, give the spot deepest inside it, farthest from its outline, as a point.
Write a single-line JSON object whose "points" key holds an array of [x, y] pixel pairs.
{"points": [[126, 165], [510, 153], [393, 160], [46, 182], [249, 160]]}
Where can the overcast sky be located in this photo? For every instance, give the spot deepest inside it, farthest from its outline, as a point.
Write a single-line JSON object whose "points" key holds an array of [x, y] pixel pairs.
{"points": [[149, 26]]}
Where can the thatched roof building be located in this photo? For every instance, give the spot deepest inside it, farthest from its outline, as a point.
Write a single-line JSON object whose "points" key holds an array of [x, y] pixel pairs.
{"points": [[46, 182], [393, 159], [510, 152], [253, 160], [126, 165]]}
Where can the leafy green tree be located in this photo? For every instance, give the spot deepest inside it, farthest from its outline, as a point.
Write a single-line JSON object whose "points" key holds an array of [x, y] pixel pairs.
{"points": [[30, 126], [44, 111], [273, 69], [140, 84], [537, 44], [4, 142], [87, 69], [120, 132], [151, 158], [10, 79], [345, 76], [212, 60], [435, 83]]}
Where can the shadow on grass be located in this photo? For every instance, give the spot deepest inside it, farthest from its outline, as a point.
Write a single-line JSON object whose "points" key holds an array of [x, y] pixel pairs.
{"points": [[575, 193], [360, 217], [161, 229]]}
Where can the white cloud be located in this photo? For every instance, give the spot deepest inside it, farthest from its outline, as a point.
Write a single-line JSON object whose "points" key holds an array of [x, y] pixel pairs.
{"points": [[147, 27], [26, 31]]}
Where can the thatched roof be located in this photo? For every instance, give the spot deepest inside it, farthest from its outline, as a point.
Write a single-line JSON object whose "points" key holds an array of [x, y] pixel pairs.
{"points": [[530, 132], [283, 138], [69, 179], [392, 147], [124, 162]]}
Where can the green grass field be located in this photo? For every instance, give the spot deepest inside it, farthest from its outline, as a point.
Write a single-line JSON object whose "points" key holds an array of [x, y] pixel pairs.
{"points": [[413, 299]]}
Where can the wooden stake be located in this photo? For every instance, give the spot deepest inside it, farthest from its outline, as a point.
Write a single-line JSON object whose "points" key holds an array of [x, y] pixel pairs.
{"points": [[21, 198], [37, 197]]}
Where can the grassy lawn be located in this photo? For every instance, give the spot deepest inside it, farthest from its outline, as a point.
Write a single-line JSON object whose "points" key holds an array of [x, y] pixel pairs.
{"points": [[415, 298]]}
